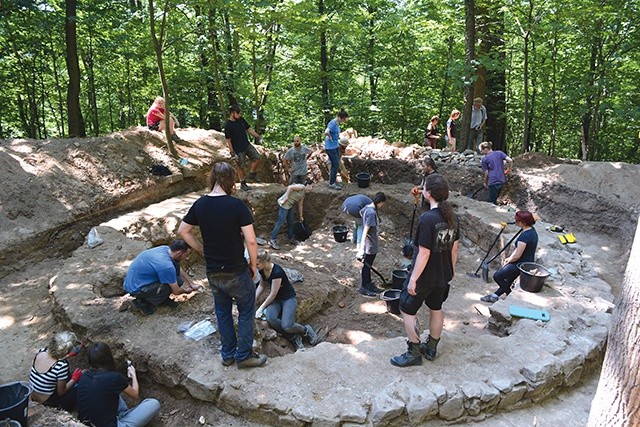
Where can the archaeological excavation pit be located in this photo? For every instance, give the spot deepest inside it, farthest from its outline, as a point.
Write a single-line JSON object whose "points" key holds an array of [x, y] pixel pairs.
{"points": [[487, 361]]}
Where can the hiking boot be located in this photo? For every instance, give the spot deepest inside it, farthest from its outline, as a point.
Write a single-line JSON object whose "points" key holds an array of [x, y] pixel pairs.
{"points": [[335, 186], [293, 242], [366, 292], [274, 244], [428, 348], [296, 340], [410, 358], [143, 307], [310, 334], [490, 298], [176, 138], [253, 177], [244, 186], [227, 362], [374, 288], [170, 303], [253, 361]]}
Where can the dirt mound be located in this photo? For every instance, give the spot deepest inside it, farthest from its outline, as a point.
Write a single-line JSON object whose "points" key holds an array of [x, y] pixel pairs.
{"points": [[534, 160]]}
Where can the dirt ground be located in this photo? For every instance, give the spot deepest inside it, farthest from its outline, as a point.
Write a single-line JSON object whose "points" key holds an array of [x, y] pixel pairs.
{"points": [[37, 191]]}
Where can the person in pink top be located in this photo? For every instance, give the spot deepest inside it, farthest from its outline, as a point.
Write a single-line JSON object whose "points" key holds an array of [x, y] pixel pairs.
{"points": [[156, 118]]}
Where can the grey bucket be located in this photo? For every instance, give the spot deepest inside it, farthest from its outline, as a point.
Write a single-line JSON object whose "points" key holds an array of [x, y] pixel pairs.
{"points": [[532, 276]]}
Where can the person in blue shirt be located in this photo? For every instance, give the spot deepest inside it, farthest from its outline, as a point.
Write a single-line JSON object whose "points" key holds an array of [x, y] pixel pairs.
{"points": [[525, 251], [331, 146]]}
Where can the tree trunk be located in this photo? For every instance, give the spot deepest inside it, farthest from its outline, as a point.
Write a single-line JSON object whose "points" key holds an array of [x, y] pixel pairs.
{"points": [[324, 65], [230, 72], [617, 399], [371, 66], [526, 137], [554, 95], [87, 59], [470, 41], [75, 121], [213, 37], [54, 61], [445, 78], [157, 46]]}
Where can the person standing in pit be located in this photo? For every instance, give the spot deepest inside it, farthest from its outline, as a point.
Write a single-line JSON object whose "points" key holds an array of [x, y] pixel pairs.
{"points": [[235, 133], [331, 142], [494, 174], [478, 118], [368, 246], [295, 194], [353, 205]]}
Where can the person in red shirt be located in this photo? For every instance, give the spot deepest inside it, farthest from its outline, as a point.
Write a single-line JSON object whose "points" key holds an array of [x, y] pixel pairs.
{"points": [[156, 118]]}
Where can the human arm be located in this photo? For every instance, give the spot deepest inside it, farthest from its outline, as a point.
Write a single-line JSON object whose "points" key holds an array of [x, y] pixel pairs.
{"points": [[365, 231], [343, 170], [252, 246], [509, 160], [189, 285], [421, 262], [515, 255], [132, 390], [486, 178], [301, 209], [230, 145], [255, 134], [185, 231], [454, 256], [175, 121], [275, 288]]}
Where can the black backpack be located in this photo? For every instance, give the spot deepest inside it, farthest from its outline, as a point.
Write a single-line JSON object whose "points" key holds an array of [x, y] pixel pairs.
{"points": [[301, 231]]}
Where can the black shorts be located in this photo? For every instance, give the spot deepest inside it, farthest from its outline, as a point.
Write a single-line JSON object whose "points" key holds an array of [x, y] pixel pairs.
{"points": [[432, 297], [155, 126]]}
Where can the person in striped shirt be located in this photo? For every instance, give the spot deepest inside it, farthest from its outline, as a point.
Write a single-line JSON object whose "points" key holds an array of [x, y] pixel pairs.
{"points": [[50, 377]]}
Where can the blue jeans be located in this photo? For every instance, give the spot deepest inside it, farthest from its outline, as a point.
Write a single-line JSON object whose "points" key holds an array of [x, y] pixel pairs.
{"points": [[281, 317], [494, 192], [282, 215], [334, 158], [227, 288], [138, 416], [505, 278]]}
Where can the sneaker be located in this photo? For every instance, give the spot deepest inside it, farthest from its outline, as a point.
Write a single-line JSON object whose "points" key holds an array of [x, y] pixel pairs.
{"points": [[293, 242], [310, 334], [366, 292], [335, 186], [410, 358], [170, 303], [244, 186], [143, 307], [274, 244], [374, 288], [253, 361], [176, 138], [296, 340], [227, 362], [427, 351], [254, 177], [490, 298]]}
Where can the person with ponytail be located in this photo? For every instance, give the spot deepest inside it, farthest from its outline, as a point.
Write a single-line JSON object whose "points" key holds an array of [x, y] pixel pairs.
{"points": [[525, 251], [433, 267]]}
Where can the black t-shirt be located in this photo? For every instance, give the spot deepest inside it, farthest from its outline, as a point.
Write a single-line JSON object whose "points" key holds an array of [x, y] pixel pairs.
{"points": [[434, 234], [236, 131], [98, 393], [530, 238], [286, 290], [451, 124], [220, 219]]}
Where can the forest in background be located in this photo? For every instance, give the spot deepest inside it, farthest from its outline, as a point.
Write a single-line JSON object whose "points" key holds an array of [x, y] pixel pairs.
{"points": [[557, 77]]}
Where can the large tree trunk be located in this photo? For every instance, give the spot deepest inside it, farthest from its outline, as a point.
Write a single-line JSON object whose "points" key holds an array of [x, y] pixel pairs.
{"points": [[617, 399], [470, 41], [75, 121]]}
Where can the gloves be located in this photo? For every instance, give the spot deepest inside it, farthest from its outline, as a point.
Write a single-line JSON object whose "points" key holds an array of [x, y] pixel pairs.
{"points": [[259, 313], [360, 254], [75, 350], [76, 375]]}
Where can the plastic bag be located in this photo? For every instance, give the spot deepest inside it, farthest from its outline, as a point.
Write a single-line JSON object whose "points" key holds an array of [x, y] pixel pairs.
{"points": [[200, 330], [94, 239]]}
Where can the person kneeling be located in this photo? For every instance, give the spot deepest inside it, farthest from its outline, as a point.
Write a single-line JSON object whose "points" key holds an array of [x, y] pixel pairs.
{"points": [[99, 400], [279, 308]]}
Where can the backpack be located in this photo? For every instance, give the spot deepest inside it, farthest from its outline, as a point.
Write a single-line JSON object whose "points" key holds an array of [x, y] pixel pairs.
{"points": [[301, 231]]}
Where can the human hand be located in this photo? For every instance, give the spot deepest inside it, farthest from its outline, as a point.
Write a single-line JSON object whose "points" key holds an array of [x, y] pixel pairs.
{"points": [[411, 288], [415, 191], [131, 371], [360, 255], [259, 313], [76, 375]]}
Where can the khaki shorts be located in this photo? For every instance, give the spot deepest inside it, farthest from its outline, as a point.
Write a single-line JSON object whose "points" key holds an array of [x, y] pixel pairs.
{"points": [[251, 153]]}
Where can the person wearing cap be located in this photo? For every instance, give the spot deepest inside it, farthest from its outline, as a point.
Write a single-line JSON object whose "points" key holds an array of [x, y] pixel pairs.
{"points": [[235, 133], [478, 117], [331, 144]]}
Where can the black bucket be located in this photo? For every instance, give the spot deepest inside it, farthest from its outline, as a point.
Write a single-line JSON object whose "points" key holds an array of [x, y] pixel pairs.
{"points": [[397, 278], [392, 298], [532, 276], [14, 402], [340, 233], [364, 179]]}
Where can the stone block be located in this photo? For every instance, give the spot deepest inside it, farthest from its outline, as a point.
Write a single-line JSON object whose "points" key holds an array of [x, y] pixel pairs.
{"points": [[421, 405], [573, 377], [512, 397], [173, 178], [544, 367], [544, 389], [453, 408], [439, 391], [202, 385], [385, 408], [503, 384]]}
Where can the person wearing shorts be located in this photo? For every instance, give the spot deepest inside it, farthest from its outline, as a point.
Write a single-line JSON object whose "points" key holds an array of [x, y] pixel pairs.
{"points": [[235, 133], [433, 268]]}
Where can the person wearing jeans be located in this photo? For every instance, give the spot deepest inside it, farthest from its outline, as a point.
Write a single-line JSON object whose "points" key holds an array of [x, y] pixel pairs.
{"points": [[295, 194], [226, 226], [331, 142]]}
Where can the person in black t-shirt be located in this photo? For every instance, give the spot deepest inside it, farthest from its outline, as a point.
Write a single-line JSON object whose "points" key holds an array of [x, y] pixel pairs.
{"points": [[226, 225], [434, 262], [99, 400], [279, 307], [235, 133]]}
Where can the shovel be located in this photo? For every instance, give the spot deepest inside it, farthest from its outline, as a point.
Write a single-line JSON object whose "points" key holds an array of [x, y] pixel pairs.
{"points": [[377, 273], [408, 242], [485, 265], [504, 225]]}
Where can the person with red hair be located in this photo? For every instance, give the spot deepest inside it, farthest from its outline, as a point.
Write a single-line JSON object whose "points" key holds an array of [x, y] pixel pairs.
{"points": [[525, 251]]}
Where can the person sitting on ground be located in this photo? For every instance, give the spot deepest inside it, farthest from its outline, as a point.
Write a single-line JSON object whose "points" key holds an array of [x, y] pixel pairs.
{"points": [[155, 274], [450, 138], [156, 119], [235, 133], [99, 400], [525, 251], [279, 307], [50, 379], [342, 148], [296, 158], [433, 267], [368, 247], [352, 205], [431, 136], [493, 167], [295, 194]]}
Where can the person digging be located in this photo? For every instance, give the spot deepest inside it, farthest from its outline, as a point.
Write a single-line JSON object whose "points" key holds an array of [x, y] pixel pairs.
{"points": [[368, 246], [433, 268]]}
